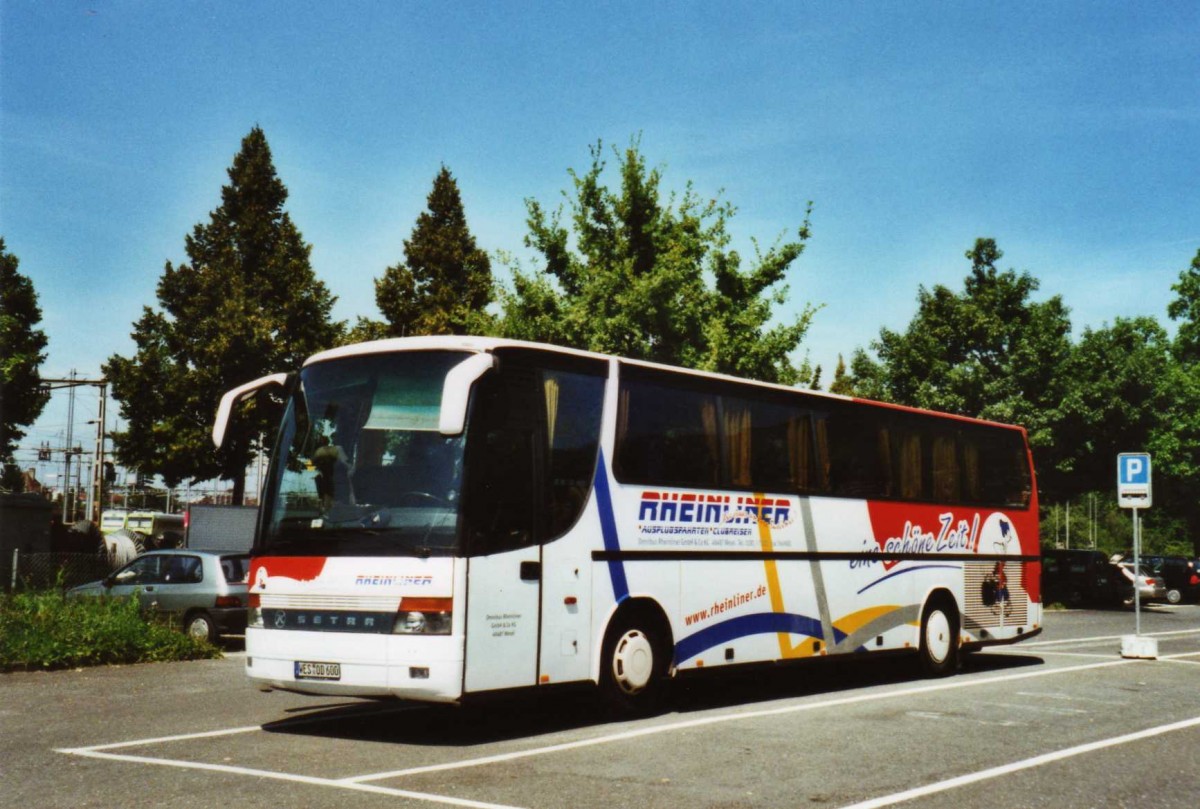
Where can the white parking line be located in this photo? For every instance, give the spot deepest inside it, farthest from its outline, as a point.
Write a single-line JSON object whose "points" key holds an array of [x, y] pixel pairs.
{"points": [[1092, 655], [362, 782], [1179, 658], [282, 776], [1098, 638], [1017, 766], [941, 686]]}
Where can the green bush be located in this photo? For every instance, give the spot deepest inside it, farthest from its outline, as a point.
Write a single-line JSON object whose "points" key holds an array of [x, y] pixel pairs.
{"points": [[45, 631]]}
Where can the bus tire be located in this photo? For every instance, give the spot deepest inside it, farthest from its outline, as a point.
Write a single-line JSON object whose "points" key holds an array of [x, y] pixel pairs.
{"points": [[939, 637], [633, 669]]}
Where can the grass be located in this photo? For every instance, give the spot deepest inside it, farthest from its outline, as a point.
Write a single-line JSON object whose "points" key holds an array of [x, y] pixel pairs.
{"points": [[44, 631]]}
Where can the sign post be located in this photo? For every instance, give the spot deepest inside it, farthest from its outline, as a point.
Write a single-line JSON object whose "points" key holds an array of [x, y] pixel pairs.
{"points": [[1134, 493]]}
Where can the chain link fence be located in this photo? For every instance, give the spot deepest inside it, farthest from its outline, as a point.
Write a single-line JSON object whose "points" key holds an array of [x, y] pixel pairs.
{"points": [[25, 570]]}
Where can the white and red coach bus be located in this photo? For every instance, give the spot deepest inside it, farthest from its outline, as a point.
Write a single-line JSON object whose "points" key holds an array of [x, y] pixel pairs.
{"points": [[449, 516]]}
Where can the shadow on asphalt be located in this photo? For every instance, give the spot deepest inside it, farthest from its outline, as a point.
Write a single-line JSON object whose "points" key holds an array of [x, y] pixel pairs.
{"points": [[531, 714]]}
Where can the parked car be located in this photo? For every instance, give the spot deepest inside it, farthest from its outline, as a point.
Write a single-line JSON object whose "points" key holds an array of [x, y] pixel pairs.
{"points": [[1180, 575], [1077, 577], [1149, 586], [207, 591]]}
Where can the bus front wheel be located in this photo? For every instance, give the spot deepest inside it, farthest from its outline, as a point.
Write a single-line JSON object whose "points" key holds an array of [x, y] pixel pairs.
{"points": [[939, 638], [634, 666]]}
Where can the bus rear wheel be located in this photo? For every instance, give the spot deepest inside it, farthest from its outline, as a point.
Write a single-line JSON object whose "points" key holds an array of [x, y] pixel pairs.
{"points": [[939, 638], [634, 665]]}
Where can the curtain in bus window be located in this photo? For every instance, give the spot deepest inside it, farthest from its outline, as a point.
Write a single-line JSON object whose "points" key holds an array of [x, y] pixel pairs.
{"points": [[550, 385], [945, 468], [800, 451], [712, 441], [823, 463], [910, 466], [738, 440], [630, 456], [885, 461], [970, 476]]}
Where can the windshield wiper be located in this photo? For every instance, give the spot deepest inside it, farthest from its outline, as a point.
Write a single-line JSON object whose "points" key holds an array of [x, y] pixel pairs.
{"points": [[358, 517]]}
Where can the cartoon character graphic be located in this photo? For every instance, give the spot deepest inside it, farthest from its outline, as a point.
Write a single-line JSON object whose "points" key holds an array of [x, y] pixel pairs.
{"points": [[995, 584]]}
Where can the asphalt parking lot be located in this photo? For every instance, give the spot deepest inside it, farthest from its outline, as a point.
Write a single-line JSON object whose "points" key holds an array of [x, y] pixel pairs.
{"points": [[1061, 721]]}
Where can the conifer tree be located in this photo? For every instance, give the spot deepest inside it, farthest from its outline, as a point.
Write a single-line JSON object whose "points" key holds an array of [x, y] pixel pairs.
{"points": [[445, 280], [246, 303]]}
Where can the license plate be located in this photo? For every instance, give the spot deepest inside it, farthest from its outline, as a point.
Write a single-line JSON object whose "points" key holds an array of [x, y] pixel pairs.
{"points": [[318, 671]]}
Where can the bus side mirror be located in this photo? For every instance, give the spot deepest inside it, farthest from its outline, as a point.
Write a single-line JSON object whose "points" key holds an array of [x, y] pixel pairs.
{"points": [[231, 398], [456, 392]]}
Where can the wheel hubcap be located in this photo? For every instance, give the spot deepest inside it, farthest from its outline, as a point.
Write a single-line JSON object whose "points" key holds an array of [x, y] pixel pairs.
{"points": [[633, 661], [937, 636]]}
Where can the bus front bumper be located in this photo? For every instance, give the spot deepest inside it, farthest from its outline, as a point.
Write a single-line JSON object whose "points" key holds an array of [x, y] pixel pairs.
{"points": [[426, 668]]}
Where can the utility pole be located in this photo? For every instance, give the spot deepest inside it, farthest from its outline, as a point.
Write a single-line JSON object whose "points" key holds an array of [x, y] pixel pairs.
{"points": [[98, 466], [68, 516], [96, 490]]}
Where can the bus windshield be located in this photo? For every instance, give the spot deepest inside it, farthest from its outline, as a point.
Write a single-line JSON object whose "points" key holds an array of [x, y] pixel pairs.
{"points": [[361, 468]]}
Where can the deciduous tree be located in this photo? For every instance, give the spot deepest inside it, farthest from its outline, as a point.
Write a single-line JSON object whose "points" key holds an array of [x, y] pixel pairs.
{"points": [[630, 273], [990, 352], [1118, 388], [1185, 308]]}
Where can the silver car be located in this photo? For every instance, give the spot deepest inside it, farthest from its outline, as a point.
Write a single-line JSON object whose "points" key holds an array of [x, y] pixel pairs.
{"points": [[1150, 587], [207, 591]]}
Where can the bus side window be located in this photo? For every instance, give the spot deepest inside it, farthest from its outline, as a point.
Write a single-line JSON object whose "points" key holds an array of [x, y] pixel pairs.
{"points": [[573, 408], [1007, 481], [857, 470], [667, 435], [788, 449]]}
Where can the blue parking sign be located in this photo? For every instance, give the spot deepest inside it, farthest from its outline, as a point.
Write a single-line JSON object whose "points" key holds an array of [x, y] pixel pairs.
{"points": [[1133, 480]]}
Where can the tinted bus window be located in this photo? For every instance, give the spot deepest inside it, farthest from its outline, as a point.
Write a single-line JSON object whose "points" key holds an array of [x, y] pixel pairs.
{"points": [[574, 403], [880, 453], [674, 432], [668, 435]]}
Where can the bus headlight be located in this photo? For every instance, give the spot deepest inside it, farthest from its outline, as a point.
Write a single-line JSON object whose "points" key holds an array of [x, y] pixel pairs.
{"points": [[424, 616]]}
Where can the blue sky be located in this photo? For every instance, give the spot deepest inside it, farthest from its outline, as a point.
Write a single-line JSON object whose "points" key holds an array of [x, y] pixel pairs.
{"points": [[1067, 131]]}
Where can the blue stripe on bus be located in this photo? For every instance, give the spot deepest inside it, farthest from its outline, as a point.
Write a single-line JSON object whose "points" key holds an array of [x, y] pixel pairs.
{"points": [[608, 529], [757, 624], [906, 570]]}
